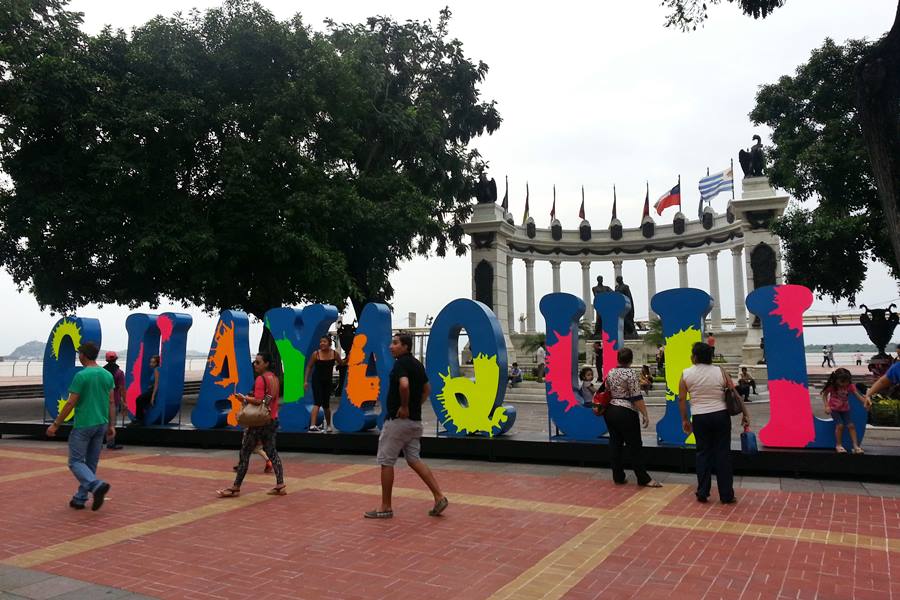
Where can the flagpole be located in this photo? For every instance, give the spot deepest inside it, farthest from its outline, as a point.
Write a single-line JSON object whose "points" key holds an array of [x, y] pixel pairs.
{"points": [[732, 179], [679, 192]]}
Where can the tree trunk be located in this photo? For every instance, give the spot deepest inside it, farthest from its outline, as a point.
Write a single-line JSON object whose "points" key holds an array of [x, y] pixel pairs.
{"points": [[877, 82]]}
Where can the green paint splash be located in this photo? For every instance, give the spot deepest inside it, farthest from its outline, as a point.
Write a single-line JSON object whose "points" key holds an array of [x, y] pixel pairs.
{"points": [[475, 416], [293, 364]]}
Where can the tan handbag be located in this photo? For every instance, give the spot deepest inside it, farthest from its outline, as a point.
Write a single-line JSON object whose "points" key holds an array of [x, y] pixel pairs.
{"points": [[256, 415]]}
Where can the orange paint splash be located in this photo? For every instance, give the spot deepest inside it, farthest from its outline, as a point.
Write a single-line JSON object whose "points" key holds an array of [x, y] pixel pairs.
{"points": [[360, 388], [559, 370], [791, 301], [236, 406], [223, 352], [791, 422]]}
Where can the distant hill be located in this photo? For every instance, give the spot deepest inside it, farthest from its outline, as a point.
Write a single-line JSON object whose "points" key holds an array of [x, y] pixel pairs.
{"points": [[28, 351]]}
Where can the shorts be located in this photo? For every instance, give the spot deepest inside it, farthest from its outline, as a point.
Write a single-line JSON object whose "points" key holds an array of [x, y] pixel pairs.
{"points": [[397, 435], [321, 393], [841, 417]]}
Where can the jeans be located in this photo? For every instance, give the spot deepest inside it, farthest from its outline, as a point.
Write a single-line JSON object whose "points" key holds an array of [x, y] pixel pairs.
{"points": [[84, 454], [713, 434]]}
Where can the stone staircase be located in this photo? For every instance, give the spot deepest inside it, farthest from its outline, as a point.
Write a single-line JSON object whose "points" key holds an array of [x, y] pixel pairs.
{"points": [[531, 392]]}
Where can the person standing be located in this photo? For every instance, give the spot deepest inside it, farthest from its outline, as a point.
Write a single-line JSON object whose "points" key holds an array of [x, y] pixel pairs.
{"points": [[711, 341], [598, 359], [622, 420], [711, 423], [402, 431], [660, 360], [266, 390], [319, 374], [91, 397], [540, 357], [825, 361], [118, 392], [831, 361], [148, 397]]}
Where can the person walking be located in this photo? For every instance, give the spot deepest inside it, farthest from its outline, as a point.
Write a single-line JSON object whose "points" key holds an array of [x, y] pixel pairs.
{"points": [[266, 390], [91, 397], [118, 392], [622, 420], [705, 384], [319, 374], [660, 360], [402, 431], [825, 359], [540, 357]]}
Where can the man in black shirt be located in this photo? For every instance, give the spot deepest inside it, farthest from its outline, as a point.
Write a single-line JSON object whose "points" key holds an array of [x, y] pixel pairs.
{"points": [[409, 389]]}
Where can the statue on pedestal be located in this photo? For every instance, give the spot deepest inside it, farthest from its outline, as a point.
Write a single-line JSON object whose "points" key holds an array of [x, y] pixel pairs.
{"points": [[599, 289], [753, 161], [630, 329], [485, 190]]}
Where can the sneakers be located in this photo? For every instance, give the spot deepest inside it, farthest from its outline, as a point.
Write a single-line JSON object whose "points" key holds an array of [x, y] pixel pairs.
{"points": [[329, 429], [114, 447], [76, 505], [317, 429], [99, 495]]}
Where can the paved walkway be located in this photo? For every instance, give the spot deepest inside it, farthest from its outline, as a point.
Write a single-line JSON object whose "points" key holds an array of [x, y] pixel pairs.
{"points": [[511, 531]]}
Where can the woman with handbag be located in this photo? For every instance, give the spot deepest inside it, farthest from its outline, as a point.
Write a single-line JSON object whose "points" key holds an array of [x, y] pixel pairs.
{"points": [[711, 412], [621, 416], [259, 416]]}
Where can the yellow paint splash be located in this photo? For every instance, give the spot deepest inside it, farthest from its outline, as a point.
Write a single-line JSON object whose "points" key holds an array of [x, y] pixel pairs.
{"points": [[59, 404], [678, 358], [66, 328], [475, 416]]}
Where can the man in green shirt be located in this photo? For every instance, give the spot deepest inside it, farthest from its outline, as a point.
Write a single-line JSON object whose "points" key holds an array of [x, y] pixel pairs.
{"points": [[91, 397]]}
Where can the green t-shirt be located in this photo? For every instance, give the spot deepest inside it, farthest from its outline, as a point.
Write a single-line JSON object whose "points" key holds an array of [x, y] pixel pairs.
{"points": [[93, 385]]}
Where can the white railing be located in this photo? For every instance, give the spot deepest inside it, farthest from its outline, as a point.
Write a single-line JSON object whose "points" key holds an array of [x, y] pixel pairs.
{"points": [[34, 368]]}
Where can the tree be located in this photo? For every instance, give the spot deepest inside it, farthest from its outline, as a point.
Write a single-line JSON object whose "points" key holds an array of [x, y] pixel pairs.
{"points": [[228, 159], [874, 85], [819, 152]]}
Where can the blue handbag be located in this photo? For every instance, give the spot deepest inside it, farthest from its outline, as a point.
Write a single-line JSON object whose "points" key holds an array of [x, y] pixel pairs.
{"points": [[748, 442]]}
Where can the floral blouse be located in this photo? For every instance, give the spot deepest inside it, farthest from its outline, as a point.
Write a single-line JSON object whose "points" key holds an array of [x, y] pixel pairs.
{"points": [[622, 383]]}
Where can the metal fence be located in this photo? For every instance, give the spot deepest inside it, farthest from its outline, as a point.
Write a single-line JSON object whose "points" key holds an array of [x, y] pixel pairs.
{"points": [[34, 368]]}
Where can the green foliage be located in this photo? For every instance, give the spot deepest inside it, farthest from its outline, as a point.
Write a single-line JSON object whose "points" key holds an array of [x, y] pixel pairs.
{"points": [[228, 159], [531, 342], [885, 411], [688, 14], [819, 153], [654, 333]]}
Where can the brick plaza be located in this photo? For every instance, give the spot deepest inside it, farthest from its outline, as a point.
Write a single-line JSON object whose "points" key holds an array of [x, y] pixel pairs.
{"points": [[511, 531]]}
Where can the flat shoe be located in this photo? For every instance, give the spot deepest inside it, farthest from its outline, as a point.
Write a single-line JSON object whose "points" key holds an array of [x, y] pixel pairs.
{"points": [[277, 491], [652, 484], [702, 499], [228, 493], [439, 507], [379, 514]]}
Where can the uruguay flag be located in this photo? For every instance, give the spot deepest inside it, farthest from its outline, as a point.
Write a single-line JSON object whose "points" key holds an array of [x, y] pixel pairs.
{"points": [[711, 185]]}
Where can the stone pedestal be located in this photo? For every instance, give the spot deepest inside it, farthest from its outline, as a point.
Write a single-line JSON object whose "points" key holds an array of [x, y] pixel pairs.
{"points": [[758, 206], [489, 232]]}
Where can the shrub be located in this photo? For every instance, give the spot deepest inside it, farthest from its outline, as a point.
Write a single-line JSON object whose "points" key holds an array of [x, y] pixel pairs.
{"points": [[885, 411]]}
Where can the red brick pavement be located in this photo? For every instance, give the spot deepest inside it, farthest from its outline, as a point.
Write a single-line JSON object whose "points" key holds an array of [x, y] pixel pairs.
{"points": [[313, 542]]}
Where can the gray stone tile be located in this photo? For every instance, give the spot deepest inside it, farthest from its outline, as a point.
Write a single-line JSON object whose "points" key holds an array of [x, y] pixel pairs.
{"points": [[50, 588], [686, 478], [92, 592], [12, 578], [760, 485], [885, 490], [801, 485], [844, 487]]}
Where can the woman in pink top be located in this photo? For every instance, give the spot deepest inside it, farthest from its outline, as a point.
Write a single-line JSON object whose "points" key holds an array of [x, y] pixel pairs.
{"points": [[265, 391]]}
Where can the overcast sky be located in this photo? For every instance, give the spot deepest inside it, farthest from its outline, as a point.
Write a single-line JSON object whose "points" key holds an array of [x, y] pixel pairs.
{"points": [[590, 94]]}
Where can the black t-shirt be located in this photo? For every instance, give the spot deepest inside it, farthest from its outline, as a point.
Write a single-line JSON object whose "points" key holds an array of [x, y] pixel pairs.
{"points": [[407, 366]]}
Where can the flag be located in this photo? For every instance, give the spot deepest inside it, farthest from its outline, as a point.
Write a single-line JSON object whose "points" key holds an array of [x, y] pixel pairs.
{"points": [[670, 198], [646, 203], [614, 202], [553, 209], [710, 186], [505, 204], [581, 212], [525, 216]]}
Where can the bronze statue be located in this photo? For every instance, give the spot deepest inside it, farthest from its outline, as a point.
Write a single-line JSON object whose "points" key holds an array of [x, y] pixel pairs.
{"points": [[485, 190], [599, 289], [630, 329], [753, 161]]}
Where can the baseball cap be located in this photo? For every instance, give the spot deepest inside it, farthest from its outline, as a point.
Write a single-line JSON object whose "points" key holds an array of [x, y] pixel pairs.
{"points": [[111, 356]]}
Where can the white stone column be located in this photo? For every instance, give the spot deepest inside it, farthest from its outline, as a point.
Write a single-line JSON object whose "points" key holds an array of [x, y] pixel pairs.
{"points": [[529, 295], [617, 270], [682, 271], [510, 305], [713, 263], [586, 293], [556, 285], [651, 284], [740, 310]]}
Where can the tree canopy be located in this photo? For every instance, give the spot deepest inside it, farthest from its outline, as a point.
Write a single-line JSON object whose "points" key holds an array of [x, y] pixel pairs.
{"points": [[819, 153], [229, 159]]}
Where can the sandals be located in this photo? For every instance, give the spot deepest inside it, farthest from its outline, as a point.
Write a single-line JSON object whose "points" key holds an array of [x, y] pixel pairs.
{"points": [[278, 490], [439, 507], [652, 484], [840, 450], [229, 492], [379, 514], [858, 450]]}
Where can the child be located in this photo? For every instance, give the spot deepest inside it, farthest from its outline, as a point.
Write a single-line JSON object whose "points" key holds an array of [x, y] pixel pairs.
{"points": [[835, 394], [645, 379], [515, 375], [586, 391]]}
